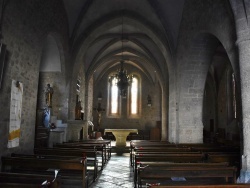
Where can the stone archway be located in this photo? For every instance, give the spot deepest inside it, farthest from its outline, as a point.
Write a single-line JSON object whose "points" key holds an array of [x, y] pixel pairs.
{"points": [[80, 59]]}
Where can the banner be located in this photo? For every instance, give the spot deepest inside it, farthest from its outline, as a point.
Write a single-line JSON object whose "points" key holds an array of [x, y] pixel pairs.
{"points": [[15, 113]]}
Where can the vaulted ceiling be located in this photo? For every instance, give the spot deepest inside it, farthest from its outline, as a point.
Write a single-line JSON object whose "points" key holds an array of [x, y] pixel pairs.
{"points": [[143, 32]]}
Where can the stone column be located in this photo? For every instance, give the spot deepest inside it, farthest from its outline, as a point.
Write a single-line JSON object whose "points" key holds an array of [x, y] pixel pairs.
{"points": [[164, 129], [240, 9], [244, 58]]}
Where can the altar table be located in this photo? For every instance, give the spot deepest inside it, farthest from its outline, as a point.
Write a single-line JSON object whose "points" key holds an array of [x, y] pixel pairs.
{"points": [[121, 135]]}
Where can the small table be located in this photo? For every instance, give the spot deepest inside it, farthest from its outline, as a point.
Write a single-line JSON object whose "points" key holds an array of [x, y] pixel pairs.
{"points": [[121, 135]]}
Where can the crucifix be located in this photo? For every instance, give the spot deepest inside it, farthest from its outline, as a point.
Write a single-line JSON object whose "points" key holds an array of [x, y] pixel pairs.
{"points": [[99, 111]]}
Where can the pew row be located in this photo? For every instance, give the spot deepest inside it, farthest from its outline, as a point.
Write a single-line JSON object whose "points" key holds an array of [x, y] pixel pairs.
{"points": [[29, 180], [69, 170], [201, 186], [100, 148], [165, 165], [137, 146], [92, 165], [92, 161], [107, 144], [187, 175], [231, 154], [176, 157]]}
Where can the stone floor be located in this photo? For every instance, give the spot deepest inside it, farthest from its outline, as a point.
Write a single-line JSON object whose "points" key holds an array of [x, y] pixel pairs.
{"points": [[117, 173]]}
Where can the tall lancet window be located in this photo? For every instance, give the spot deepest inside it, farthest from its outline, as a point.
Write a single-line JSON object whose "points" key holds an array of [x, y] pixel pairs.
{"points": [[114, 96], [134, 96]]}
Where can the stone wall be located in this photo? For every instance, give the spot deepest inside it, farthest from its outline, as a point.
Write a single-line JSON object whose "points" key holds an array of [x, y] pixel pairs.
{"points": [[26, 24], [149, 115], [204, 25]]}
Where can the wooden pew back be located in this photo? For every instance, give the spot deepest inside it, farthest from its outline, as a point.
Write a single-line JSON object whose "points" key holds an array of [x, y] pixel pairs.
{"points": [[66, 167], [197, 172], [35, 180]]}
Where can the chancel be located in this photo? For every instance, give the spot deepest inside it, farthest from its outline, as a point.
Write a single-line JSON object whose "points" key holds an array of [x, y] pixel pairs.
{"points": [[165, 80], [121, 135]]}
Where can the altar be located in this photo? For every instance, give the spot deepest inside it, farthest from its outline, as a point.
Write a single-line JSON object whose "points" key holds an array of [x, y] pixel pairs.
{"points": [[121, 135]]}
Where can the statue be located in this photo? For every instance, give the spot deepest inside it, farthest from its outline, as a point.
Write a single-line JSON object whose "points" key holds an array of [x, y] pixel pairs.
{"points": [[99, 111], [48, 95], [46, 117], [78, 108]]}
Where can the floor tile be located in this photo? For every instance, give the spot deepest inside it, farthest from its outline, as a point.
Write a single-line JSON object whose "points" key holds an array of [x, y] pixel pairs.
{"points": [[117, 173]]}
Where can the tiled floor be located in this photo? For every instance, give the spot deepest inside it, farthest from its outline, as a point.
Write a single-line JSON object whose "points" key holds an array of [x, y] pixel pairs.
{"points": [[116, 174]]}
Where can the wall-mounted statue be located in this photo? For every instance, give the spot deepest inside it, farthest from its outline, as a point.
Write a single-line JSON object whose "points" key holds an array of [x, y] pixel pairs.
{"points": [[78, 109], [46, 117], [48, 95]]}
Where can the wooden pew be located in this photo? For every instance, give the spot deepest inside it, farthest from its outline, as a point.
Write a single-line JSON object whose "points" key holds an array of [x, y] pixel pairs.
{"points": [[97, 147], [163, 144], [152, 148], [65, 154], [149, 144], [215, 149], [68, 169], [163, 164], [195, 147], [232, 158], [107, 144], [28, 180], [92, 162], [176, 157], [159, 165], [18, 185], [202, 186], [193, 174], [144, 150], [172, 157]]}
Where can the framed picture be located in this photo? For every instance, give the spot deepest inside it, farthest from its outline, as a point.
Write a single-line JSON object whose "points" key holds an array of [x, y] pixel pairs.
{"points": [[2, 61]]}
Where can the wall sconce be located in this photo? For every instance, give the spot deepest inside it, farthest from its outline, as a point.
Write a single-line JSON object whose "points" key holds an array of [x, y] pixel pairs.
{"points": [[149, 101]]}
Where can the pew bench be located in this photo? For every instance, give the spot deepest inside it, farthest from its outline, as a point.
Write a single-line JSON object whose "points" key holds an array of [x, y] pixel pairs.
{"points": [[215, 149], [163, 150], [101, 145], [176, 157], [29, 180], [92, 164], [137, 145], [74, 170], [165, 165], [202, 186], [147, 143], [92, 161], [164, 144], [18, 185], [232, 158], [100, 148], [189, 175], [106, 142]]}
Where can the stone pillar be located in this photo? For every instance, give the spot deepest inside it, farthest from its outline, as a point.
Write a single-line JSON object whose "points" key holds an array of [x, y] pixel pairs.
{"points": [[244, 57], [240, 9], [164, 130]]}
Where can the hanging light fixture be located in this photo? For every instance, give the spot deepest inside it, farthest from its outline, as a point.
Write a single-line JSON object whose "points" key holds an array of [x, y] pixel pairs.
{"points": [[123, 80]]}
